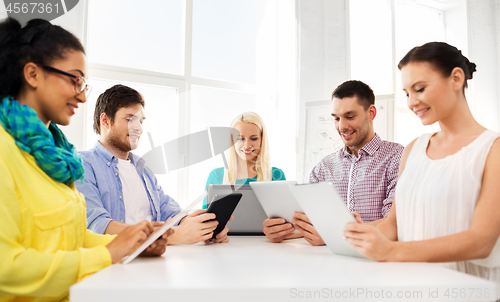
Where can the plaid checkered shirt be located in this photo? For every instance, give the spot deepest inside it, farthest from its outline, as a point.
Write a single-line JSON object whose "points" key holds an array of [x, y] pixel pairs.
{"points": [[366, 183]]}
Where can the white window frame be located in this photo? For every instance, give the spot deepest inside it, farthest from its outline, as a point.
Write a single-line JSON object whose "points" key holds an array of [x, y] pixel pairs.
{"points": [[183, 84]]}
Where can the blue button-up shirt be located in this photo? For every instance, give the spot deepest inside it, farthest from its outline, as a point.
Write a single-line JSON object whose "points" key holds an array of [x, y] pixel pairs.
{"points": [[102, 188]]}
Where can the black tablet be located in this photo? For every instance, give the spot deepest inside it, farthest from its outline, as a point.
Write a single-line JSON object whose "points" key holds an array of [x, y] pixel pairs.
{"points": [[223, 207]]}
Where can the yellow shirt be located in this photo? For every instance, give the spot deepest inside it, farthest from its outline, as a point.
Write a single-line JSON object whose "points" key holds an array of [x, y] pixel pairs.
{"points": [[45, 246]]}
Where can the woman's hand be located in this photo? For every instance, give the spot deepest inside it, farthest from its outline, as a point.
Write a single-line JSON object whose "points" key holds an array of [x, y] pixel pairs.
{"points": [[369, 241], [357, 217], [158, 247], [128, 240]]}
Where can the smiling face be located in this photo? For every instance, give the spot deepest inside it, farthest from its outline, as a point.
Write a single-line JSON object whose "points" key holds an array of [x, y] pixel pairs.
{"points": [[427, 92], [57, 100], [248, 144], [353, 122], [126, 129]]}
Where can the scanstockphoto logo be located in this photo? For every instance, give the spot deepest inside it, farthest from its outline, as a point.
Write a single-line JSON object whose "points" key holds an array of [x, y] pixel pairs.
{"points": [[25, 10]]}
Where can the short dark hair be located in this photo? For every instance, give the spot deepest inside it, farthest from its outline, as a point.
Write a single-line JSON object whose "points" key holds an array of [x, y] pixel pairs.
{"points": [[442, 56], [351, 88], [39, 42], [109, 102]]}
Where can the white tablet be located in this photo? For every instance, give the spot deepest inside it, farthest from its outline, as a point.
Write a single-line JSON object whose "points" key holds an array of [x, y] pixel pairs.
{"points": [[172, 222], [328, 213], [276, 198]]}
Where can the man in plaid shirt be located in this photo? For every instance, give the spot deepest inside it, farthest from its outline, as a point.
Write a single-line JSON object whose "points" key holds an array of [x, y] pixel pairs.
{"points": [[364, 171]]}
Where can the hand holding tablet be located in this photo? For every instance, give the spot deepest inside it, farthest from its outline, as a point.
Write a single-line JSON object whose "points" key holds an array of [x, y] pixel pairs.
{"points": [[223, 207], [172, 222], [276, 198], [328, 214], [280, 206]]}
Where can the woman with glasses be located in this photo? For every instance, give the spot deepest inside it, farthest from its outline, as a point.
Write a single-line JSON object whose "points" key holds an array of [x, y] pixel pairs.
{"points": [[44, 243]]}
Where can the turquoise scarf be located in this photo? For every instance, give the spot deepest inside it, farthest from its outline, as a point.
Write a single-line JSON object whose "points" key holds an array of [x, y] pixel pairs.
{"points": [[52, 152]]}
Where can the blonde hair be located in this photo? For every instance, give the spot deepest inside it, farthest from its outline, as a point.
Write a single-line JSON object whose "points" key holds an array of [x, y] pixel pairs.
{"points": [[263, 162]]}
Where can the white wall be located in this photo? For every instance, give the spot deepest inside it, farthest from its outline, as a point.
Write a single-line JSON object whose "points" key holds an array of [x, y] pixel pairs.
{"points": [[455, 20], [483, 47], [323, 58], [473, 26], [323, 48]]}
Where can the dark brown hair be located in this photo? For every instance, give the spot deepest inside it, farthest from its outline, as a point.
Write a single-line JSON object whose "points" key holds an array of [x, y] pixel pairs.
{"points": [[442, 56], [362, 91], [109, 102]]}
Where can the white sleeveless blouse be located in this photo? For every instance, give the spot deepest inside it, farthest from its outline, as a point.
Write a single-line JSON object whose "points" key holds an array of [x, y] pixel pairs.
{"points": [[437, 198]]}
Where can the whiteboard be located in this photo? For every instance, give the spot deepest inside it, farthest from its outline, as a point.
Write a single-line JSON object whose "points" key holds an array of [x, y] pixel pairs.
{"points": [[321, 138]]}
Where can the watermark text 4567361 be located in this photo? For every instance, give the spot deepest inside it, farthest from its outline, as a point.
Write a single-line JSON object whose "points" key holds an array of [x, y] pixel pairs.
{"points": [[25, 10]]}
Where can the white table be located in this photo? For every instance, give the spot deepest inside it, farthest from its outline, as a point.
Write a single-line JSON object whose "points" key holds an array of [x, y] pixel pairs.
{"points": [[254, 269]]}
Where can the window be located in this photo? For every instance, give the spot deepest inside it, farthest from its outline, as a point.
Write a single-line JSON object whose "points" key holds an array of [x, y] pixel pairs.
{"points": [[198, 64], [224, 39], [377, 47], [126, 33]]}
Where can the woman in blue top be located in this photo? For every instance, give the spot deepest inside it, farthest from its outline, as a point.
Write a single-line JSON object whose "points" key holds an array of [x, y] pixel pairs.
{"points": [[249, 158]]}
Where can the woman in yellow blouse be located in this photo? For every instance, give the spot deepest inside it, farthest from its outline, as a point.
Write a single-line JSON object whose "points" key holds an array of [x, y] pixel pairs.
{"points": [[45, 246]]}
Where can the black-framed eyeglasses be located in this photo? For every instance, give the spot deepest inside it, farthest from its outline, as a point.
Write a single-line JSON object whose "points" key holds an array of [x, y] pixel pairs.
{"points": [[80, 83]]}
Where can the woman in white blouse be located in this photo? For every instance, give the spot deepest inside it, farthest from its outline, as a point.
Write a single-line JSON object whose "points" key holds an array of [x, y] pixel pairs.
{"points": [[447, 201]]}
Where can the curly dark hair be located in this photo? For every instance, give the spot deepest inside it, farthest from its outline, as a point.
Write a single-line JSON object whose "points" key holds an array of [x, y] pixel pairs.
{"points": [[39, 42]]}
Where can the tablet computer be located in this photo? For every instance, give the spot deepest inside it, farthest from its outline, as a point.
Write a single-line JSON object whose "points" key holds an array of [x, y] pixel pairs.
{"points": [[328, 213], [248, 216], [172, 222], [276, 199], [223, 207]]}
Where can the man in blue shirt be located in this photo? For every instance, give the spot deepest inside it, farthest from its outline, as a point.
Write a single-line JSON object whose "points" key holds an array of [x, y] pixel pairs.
{"points": [[119, 189]]}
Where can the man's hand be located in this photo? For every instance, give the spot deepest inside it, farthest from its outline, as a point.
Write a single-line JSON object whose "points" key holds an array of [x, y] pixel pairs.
{"points": [[115, 227], [194, 228], [277, 230], [305, 227], [222, 236], [357, 217]]}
